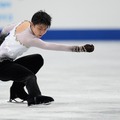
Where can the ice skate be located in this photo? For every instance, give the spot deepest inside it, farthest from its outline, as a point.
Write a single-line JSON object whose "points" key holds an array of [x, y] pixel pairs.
{"points": [[16, 92], [40, 100]]}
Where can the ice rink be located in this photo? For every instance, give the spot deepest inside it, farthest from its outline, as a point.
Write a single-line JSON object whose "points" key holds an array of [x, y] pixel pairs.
{"points": [[85, 86]]}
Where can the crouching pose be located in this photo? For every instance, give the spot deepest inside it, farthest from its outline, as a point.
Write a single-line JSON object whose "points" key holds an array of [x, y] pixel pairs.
{"points": [[22, 71]]}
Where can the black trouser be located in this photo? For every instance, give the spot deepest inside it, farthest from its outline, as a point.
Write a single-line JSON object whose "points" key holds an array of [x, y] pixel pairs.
{"points": [[23, 70]]}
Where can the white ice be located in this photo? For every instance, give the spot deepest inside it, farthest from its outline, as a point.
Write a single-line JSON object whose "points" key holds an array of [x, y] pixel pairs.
{"points": [[85, 86]]}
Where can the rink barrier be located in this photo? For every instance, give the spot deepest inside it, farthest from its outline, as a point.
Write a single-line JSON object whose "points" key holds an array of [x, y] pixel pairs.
{"points": [[78, 34], [86, 34]]}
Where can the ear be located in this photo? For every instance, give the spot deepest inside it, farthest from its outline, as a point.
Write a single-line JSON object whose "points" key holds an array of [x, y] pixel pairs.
{"points": [[31, 24]]}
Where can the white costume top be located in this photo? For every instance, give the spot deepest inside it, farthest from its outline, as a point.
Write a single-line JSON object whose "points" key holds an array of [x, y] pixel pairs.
{"points": [[15, 44], [11, 47]]}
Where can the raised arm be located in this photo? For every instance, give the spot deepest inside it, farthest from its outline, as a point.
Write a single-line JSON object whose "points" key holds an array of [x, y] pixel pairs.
{"points": [[7, 29], [5, 32]]}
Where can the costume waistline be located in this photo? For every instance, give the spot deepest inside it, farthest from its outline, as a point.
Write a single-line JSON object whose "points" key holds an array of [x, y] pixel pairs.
{"points": [[6, 59]]}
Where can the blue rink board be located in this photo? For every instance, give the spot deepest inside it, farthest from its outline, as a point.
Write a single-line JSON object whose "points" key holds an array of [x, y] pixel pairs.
{"points": [[77, 34], [82, 34]]}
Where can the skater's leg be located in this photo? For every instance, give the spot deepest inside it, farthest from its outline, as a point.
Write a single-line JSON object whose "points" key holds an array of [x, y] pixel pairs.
{"points": [[32, 62], [18, 73]]}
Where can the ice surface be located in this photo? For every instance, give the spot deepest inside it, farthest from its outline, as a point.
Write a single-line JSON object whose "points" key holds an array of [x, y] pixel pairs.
{"points": [[85, 86]]}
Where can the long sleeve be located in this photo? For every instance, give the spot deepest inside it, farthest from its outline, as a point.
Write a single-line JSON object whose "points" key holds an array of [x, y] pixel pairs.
{"points": [[29, 40], [7, 29], [48, 45]]}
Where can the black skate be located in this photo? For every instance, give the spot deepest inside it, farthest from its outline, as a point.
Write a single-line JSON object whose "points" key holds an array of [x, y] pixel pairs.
{"points": [[40, 100], [17, 91]]}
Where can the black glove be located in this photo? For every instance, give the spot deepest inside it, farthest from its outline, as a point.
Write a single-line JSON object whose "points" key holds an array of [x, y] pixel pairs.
{"points": [[85, 48], [88, 48]]}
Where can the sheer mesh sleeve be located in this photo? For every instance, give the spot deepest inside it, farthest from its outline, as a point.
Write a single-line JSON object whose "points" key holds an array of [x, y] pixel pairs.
{"points": [[48, 45], [29, 40], [7, 29]]}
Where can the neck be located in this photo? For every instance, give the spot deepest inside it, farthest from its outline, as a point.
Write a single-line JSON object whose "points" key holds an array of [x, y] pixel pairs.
{"points": [[31, 30]]}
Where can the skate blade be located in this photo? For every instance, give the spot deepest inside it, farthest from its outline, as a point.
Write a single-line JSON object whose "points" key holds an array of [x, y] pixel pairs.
{"points": [[17, 101]]}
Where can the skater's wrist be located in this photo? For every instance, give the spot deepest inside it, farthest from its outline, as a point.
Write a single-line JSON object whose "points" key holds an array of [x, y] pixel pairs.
{"points": [[85, 48], [77, 49]]}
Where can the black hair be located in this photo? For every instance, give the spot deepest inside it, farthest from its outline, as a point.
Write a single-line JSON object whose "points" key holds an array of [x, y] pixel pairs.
{"points": [[41, 17]]}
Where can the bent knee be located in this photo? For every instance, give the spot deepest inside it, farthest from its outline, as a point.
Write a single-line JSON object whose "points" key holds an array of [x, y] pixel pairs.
{"points": [[39, 59], [31, 77]]}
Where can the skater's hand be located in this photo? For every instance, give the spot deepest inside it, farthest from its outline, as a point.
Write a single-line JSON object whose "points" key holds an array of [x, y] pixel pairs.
{"points": [[88, 48], [85, 48]]}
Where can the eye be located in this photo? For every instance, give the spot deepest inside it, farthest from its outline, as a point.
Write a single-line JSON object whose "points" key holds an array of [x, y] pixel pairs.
{"points": [[39, 28], [45, 29]]}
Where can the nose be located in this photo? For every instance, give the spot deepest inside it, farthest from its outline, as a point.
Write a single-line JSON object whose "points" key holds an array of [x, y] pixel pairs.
{"points": [[41, 33]]}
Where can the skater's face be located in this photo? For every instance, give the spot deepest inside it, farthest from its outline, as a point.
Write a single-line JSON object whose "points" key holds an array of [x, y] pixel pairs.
{"points": [[39, 29]]}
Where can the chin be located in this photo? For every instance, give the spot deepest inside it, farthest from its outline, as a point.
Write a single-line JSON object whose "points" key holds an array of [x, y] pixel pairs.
{"points": [[40, 36]]}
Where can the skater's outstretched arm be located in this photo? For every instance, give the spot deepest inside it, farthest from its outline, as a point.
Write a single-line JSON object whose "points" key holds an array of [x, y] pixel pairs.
{"points": [[59, 47]]}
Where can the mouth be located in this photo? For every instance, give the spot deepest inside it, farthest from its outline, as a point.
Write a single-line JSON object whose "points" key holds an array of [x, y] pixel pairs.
{"points": [[39, 36]]}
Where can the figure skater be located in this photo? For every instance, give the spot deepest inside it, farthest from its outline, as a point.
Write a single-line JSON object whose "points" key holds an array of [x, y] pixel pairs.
{"points": [[22, 71]]}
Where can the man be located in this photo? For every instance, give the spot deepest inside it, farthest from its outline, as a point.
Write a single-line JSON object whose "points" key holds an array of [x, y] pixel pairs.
{"points": [[22, 71]]}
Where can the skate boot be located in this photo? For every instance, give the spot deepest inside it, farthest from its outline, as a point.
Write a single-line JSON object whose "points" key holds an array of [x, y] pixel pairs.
{"points": [[17, 91], [40, 100]]}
